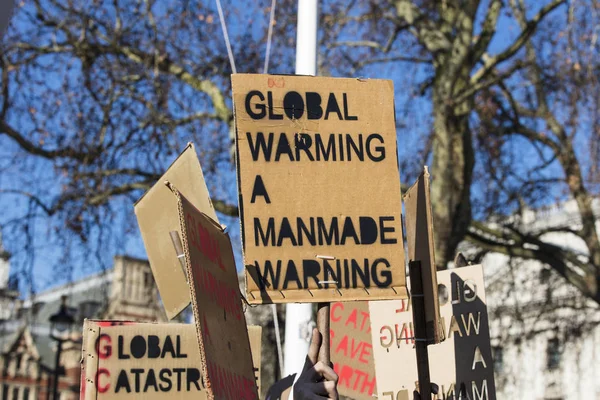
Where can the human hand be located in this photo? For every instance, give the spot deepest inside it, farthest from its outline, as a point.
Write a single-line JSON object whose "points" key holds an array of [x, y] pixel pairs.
{"points": [[434, 390], [317, 380]]}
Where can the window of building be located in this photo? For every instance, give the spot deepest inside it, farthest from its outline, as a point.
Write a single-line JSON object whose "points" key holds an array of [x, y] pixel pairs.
{"points": [[5, 391], [22, 312], [545, 275], [18, 359], [148, 281], [26, 393], [88, 309], [6, 363], [15, 392], [36, 307], [498, 355], [553, 354]]}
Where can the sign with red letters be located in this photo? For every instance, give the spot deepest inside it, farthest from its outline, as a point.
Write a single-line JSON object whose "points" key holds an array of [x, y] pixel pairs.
{"points": [[217, 305], [128, 360], [351, 349]]}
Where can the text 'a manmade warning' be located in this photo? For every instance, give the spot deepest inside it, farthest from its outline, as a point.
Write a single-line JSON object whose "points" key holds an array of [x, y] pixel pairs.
{"points": [[319, 189]]}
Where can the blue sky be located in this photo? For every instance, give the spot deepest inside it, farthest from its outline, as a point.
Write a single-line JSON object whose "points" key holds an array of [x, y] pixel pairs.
{"points": [[50, 266]]}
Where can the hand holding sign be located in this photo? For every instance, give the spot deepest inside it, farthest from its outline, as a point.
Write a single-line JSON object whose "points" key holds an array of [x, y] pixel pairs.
{"points": [[434, 391], [317, 381]]}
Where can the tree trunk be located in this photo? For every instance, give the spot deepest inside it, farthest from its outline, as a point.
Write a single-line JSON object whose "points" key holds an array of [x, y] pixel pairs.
{"points": [[453, 161]]}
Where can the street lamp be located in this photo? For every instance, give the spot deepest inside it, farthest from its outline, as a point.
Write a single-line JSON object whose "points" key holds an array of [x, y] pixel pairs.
{"points": [[60, 324]]}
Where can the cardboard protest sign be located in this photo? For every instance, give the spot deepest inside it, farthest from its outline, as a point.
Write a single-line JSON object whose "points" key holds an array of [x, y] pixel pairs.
{"points": [[127, 360], [157, 216], [217, 305], [351, 349], [462, 365], [255, 336], [319, 189], [418, 221]]}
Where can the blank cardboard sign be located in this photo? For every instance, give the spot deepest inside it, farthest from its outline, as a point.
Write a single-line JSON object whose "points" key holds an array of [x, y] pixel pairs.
{"points": [[319, 189], [131, 360], [217, 305], [351, 349], [421, 247], [157, 215], [462, 365]]}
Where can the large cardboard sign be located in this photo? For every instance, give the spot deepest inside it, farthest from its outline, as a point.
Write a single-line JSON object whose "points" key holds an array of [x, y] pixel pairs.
{"points": [[319, 189], [351, 349], [461, 365], [421, 247], [217, 305], [157, 215], [130, 360]]}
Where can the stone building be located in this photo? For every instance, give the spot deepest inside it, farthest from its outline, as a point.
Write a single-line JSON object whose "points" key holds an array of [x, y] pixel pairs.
{"points": [[545, 333], [27, 353], [125, 292]]}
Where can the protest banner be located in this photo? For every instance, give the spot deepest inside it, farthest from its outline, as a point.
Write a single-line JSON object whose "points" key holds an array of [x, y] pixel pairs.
{"points": [[157, 216], [127, 360], [319, 189], [462, 365], [418, 222], [351, 349], [217, 305]]}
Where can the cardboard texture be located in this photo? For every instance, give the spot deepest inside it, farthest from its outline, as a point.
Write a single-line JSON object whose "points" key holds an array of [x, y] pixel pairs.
{"points": [[351, 349], [157, 216], [216, 301], [418, 220], [462, 365], [319, 189], [255, 336], [124, 359]]}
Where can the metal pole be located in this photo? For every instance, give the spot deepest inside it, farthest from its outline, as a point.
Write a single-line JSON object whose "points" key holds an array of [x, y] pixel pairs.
{"points": [[420, 325], [323, 327], [298, 316], [56, 370], [49, 382]]}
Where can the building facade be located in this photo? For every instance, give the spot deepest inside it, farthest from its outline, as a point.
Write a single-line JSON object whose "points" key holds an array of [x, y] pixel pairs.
{"points": [[27, 352], [545, 333]]}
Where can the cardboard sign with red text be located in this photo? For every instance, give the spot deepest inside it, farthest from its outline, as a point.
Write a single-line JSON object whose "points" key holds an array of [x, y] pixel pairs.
{"points": [[217, 306], [124, 359], [319, 189], [351, 349], [462, 365]]}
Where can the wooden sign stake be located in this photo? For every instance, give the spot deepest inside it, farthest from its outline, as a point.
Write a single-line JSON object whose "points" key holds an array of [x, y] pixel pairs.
{"points": [[420, 328], [323, 327]]}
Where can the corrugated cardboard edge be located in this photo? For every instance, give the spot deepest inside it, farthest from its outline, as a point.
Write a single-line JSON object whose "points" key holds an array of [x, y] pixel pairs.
{"points": [[239, 190], [188, 267], [428, 268], [89, 361], [327, 295]]}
